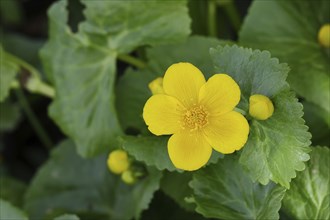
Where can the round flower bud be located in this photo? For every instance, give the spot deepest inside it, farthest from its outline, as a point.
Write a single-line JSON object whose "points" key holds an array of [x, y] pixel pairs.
{"points": [[118, 161], [324, 35], [128, 177], [261, 107], [156, 86]]}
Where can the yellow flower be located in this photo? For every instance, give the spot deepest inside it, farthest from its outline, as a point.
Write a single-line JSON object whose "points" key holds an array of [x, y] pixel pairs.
{"points": [[156, 86], [324, 35], [128, 177], [118, 161], [261, 107], [199, 114]]}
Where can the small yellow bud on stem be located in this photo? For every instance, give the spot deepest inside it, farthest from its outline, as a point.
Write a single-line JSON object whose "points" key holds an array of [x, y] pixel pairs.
{"points": [[118, 161], [128, 177], [324, 35], [156, 86], [261, 107]]}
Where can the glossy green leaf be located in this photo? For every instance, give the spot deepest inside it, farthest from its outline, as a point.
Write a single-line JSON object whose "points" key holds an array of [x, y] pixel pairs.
{"points": [[276, 147], [67, 217], [9, 69], [226, 191], [82, 65], [10, 212], [309, 195], [68, 183], [293, 38], [132, 90], [12, 190], [10, 115], [150, 150]]}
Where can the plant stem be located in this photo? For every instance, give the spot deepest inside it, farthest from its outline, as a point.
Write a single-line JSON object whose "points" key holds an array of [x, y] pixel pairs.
{"points": [[34, 83], [212, 18], [232, 13], [33, 119], [132, 60]]}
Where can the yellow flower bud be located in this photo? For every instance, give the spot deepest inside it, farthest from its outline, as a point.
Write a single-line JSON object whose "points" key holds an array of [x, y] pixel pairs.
{"points": [[156, 86], [118, 161], [128, 177], [261, 107], [324, 35]]}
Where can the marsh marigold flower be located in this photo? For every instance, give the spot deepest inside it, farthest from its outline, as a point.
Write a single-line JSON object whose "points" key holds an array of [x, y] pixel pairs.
{"points": [[199, 114], [261, 107]]}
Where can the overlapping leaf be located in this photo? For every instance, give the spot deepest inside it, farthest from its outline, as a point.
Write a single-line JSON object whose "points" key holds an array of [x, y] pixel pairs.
{"points": [[68, 183], [225, 191], [83, 68], [277, 147], [292, 37], [309, 195]]}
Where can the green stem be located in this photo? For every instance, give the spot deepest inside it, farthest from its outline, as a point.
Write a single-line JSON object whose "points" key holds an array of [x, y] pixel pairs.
{"points": [[33, 119], [35, 73], [233, 14], [132, 60], [240, 111], [34, 83], [212, 18]]}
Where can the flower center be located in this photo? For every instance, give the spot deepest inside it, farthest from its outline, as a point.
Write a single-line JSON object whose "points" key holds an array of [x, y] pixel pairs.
{"points": [[195, 118]]}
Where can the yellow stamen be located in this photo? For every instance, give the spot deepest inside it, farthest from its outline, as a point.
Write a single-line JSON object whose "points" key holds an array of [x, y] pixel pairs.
{"points": [[195, 118]]}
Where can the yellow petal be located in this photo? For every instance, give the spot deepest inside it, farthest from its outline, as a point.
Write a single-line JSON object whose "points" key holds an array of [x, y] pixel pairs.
{"points": [[162, 114], [118, 161], [324, 35], [183, 81], [220, 94], [261, 107], [189, 150], [156, 86], [228, 132]]}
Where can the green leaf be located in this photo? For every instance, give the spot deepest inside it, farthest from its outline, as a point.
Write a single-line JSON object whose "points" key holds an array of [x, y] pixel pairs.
{"points": [[309, 195], [137, 23], [175, 185], [9, 69], [292, 37], [276, 147], [150, 150], [225, 191], [10, 212], [10, 115], [67, 217], [84, 77], [82, 65], [132, 89], [12, 190], [68, 183]]}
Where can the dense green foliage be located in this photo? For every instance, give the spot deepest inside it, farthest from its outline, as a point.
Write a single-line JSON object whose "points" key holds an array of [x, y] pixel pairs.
{"points": [[92, 79]]}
